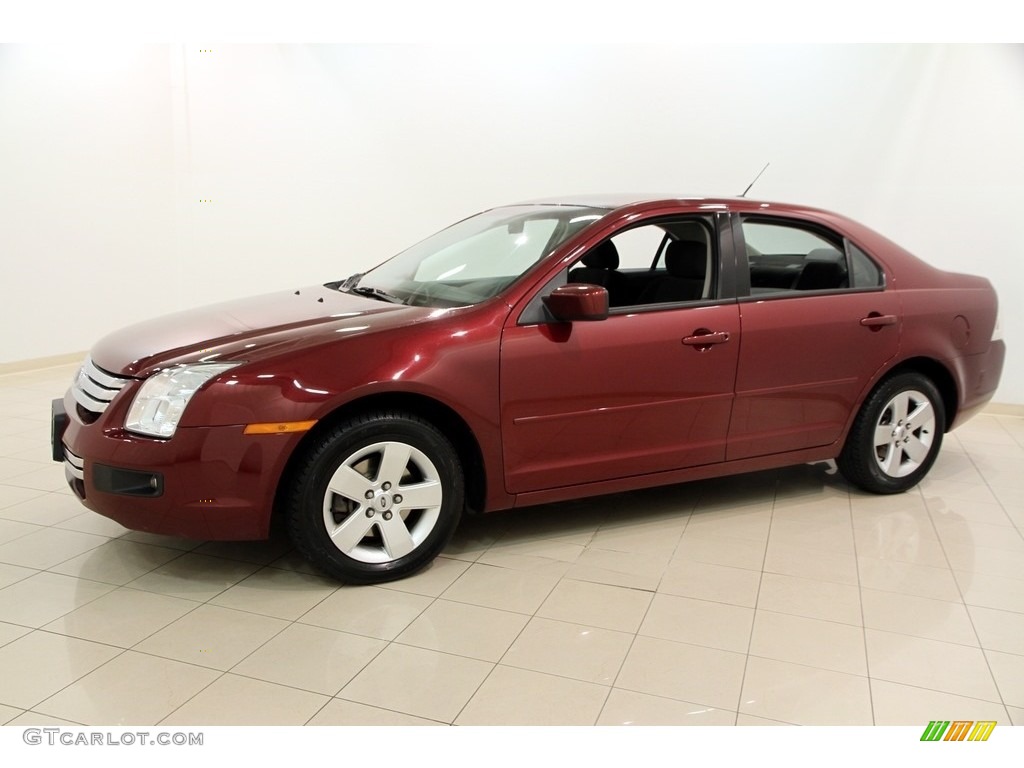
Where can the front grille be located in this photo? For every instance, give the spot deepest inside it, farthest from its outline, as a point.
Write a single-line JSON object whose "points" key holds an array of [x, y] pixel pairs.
{"points": [[93, 388], [74, 472], [74, 466]]}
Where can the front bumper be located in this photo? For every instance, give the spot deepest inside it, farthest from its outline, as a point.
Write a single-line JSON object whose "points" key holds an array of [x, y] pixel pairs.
{"points": [[204, 483]]}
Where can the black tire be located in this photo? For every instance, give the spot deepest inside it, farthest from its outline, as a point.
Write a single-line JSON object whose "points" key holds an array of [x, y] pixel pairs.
{"points": [[387, 485], [883, 455]]}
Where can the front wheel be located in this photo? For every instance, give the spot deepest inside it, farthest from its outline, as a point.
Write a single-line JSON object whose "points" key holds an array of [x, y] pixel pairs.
{"points": [[376, 498], [896, 436]]}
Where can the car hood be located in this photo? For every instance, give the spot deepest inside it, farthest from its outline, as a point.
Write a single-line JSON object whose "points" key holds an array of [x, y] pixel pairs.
{"points": [[248, 329]]}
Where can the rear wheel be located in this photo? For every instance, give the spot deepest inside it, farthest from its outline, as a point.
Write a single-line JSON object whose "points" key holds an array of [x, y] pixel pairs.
{"points": [[376, 498], [896, 437]]}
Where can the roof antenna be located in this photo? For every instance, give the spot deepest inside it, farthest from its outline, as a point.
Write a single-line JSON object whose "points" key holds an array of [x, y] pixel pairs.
{"points": [[755, 180]]}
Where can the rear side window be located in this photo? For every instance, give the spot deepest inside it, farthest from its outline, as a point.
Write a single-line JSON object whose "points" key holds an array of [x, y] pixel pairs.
{"points": [[785, 256], [863, 271]]}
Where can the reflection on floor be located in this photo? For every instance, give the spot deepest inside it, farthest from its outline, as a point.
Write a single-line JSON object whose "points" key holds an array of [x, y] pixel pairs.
{"points": [[773, 598]]}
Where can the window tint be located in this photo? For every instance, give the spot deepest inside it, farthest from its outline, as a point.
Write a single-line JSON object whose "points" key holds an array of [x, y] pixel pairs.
{"points": [[784, 257], [864, 271], [659, 263]]}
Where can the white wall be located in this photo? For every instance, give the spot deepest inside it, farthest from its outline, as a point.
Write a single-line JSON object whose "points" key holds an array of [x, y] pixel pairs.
{"points": [[323, 160]]}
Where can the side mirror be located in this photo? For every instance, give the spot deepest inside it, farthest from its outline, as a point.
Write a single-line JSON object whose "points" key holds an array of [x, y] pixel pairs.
{"points": [[578, 301]]}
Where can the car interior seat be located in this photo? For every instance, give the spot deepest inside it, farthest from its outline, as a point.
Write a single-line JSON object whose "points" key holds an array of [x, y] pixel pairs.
{"points": [[686, 267]]}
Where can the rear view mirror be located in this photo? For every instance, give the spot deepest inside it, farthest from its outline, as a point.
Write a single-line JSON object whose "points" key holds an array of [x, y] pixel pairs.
{"points": [[578, 301]]}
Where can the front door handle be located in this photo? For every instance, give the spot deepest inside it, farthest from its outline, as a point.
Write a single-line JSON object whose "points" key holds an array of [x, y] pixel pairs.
{"points": [[702, 338], [875, 321]]}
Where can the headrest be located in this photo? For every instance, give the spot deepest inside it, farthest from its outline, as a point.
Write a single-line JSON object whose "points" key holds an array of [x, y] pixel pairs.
{"points": [[825, 254], [605, 256], [686, 259]]}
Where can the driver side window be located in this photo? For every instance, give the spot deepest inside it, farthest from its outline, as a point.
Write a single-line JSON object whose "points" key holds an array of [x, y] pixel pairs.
{"points": [[663, 262]]}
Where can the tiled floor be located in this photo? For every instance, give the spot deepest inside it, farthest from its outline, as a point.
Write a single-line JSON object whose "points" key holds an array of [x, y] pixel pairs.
{"points": [[773, 598]]}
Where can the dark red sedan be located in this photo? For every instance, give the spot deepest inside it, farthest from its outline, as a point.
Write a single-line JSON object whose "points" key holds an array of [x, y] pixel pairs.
{"points": [[530, 354]]}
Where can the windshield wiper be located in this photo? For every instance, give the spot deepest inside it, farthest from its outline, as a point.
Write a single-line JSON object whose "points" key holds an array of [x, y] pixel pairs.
{"points": [[376, 293]]}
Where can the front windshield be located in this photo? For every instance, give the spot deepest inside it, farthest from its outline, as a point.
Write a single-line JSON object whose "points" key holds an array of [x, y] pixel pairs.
{"points": [[475, 259]]}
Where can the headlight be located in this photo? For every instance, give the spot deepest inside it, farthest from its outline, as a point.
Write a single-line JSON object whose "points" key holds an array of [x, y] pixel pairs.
{"points": [[158, 406]]}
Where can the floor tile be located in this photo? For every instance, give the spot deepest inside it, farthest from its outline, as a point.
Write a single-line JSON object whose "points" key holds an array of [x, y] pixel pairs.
{"points": [[986, 591], [195, 577], [596, 605], [744, 719], [29, 719], [48, 547], [123, 617], [707, 581], [211, 636], [818, 536], [10, 574], [39, 664], [700, 622], [970, 558], [570, 650], [641, 537], [116, 562], [631, 708], [91, 522], [502, 588], [794, 693], [748, 522], [132, 689], [44, 597], [280, 593], [810, 563], [157, 540], [11, 495], [690, 673], [370, 611], [938, 666], [811, 598], [234, 700], [258, 552], [464, 630], [812, 642], [418, 682], [9, 713], [721, 550], [908, 579], [43, 509], [887, 545], [48, 478], [432, 580], [9, 632], [341, 712], [1008, 670], [898, 704], [999, 630], [311, 658], [918, 616], [512, 696], [635, 570], [12, 530], [1016, 715]]}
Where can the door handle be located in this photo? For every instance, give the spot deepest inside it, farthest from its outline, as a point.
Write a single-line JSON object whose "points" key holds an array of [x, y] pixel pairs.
{"points": [[875, 321], [702, 338]]}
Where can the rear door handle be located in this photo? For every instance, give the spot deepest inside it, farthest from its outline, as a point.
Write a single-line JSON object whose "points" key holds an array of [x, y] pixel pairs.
{"points": [[875, 320], [705, 338]]}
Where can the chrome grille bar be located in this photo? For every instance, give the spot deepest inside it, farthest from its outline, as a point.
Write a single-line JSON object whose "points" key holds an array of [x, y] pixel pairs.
{"points": [[94, 388], [74, 466]]}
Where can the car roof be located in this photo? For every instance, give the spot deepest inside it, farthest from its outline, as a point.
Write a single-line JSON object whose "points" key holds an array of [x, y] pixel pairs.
{"points": [[616, 200]]}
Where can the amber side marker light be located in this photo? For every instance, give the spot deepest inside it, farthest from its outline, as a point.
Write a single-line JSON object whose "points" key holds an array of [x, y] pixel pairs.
{"points": [[278, 427]]}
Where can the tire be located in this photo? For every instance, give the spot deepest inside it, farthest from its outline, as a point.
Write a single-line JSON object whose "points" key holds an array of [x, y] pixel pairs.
{"points": [[376, 498], [896, 436]]}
